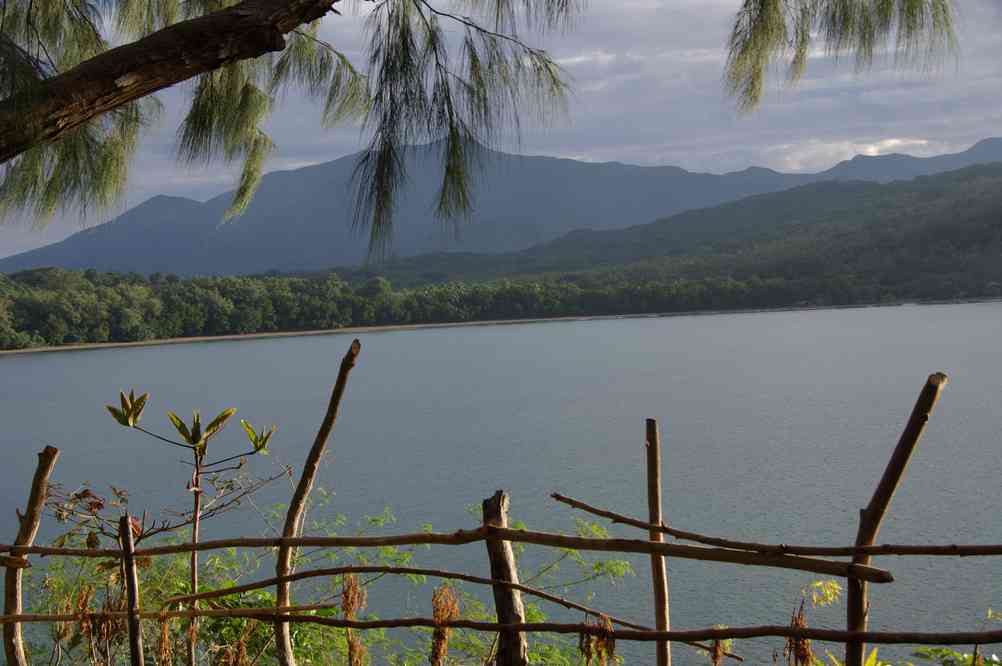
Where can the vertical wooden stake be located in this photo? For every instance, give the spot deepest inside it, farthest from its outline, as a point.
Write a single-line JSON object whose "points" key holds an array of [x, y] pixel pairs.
{"points": [[857, 603], [132, 590], [13, 643], [196, 521], [513, 648], [659, 569]]}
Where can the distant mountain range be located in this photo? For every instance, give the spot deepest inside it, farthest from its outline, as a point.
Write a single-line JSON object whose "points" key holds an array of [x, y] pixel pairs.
{"points": [[301, 220], [949, 223]]}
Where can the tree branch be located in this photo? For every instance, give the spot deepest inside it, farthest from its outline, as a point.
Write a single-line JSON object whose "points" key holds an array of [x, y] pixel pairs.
{"points": [[121, 75]]}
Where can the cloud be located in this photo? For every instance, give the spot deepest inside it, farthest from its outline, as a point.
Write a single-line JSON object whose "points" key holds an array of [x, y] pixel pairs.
{"points": [[647, 77]]}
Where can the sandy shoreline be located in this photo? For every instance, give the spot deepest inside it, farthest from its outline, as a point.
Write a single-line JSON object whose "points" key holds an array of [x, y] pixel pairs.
{"points": [[355, 330]]}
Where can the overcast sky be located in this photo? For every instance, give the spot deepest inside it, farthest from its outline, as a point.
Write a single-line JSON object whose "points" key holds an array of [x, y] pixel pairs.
{"points": [[647, 90]]}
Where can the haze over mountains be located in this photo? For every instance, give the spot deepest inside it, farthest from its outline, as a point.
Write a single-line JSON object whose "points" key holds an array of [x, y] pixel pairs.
{"points": [[864, 232], [301, 220]]}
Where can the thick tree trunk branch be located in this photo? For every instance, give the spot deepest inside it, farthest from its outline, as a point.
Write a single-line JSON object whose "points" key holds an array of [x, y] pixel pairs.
{"points": [[127, 73]]}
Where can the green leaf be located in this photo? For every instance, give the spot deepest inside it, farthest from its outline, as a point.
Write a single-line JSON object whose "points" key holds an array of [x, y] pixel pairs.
{"points": [[196, 428], [180, 426], [125, 402], [251, 433], [217, 423], [118, 415], [261, 446], [138, 405]]}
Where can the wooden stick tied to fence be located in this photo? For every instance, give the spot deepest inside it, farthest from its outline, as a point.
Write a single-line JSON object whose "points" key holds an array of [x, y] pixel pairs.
{"points": [[131, 589], [857, 604], [460, 537], [513, 648], [949, 550], [13, 642], [297, 507], [272, 613], [418, 571], [659, 568]]}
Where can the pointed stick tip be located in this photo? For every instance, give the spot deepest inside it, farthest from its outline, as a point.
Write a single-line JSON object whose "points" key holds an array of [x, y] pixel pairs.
{"points": [[939, 379]]}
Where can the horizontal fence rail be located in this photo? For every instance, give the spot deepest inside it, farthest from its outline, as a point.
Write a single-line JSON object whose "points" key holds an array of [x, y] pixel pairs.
{"points": [[934, 550], [462, 537], [705, 634]]}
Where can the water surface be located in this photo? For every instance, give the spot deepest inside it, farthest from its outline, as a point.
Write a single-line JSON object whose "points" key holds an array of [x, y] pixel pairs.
{"points": [[776, 428]]}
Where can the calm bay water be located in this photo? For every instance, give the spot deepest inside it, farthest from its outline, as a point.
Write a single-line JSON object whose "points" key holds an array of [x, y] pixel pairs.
{"points": [[776, 428]]}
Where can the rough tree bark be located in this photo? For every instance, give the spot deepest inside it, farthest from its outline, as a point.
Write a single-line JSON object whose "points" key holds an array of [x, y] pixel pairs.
{"points": [[127, 73], [513, 648]]}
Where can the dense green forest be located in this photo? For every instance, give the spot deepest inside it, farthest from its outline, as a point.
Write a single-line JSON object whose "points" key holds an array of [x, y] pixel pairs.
{"points": [[937, 238]]}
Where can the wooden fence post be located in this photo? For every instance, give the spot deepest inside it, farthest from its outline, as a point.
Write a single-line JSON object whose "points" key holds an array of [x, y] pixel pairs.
{"points": [[13, 643], [132, 590], [857, 603], [513, 648], [659, 568], [296, 512]]}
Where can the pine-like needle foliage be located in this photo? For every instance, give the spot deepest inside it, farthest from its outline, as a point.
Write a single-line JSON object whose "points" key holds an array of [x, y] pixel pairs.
{"points": [[88, 168], [451, 76], [916, 31], [456, 90]]}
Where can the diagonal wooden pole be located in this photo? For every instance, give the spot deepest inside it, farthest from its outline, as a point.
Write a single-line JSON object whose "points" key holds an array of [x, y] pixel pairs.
{"points": [[13, 642], [857, 602], [659, 568], [297, 507]]}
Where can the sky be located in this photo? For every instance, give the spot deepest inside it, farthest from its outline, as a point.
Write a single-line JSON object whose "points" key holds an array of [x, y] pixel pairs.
{"points": [[647, 89]]}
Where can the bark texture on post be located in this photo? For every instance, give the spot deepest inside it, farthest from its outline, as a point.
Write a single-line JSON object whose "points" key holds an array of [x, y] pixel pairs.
{"points": [[131, 589], [659, 567], [13, 642], [857, 602], [196, 521], [297, 507], [513, 648]]}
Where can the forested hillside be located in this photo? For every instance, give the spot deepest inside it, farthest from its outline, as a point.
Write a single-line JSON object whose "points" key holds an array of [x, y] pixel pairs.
{"points": [[301, 220], [789, 233], [935, 238]]}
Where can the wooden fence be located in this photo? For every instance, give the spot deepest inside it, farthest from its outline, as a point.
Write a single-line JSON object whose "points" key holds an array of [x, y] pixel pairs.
{"points": [[511, 626]]}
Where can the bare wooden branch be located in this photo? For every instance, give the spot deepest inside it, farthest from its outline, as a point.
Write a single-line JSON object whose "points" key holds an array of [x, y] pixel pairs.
{"points": [[297, 507], [196, 521], [513, 647], [13, 642], [951, 550], [857, 605], [706, 634], [826, 567], [14, 562], [659, 568], [947, 550], [132, 590], [461, 537], [402, 571]]}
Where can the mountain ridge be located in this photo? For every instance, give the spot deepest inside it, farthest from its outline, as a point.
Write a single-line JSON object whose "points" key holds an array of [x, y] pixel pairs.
{"points": [[300, 219]]}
